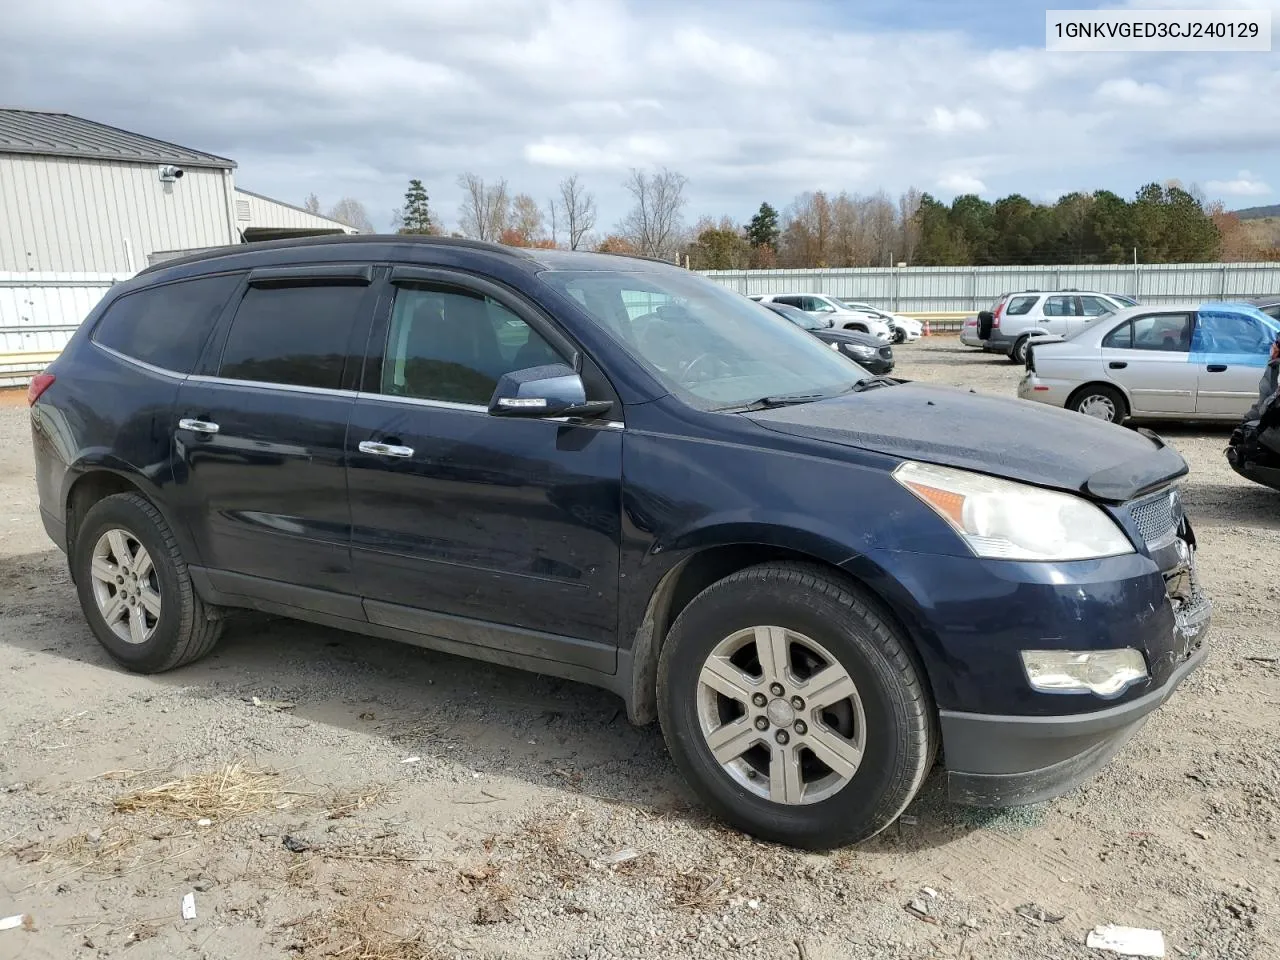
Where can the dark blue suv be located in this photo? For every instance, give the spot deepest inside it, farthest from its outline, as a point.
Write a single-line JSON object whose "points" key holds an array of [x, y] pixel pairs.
{"points": [[609, 469]]}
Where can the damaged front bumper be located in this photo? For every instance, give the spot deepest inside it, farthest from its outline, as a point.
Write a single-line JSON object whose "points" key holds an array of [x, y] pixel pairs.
{"points": [[1000, 761]]}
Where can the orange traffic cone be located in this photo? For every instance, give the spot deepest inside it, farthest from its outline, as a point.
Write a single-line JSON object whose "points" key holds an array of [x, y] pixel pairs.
{"points": [[926, 328]]}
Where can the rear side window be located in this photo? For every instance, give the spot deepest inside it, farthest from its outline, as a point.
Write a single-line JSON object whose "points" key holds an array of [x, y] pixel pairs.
{"points": [[298, 336], [166, 326], [1060, 307], [1019, 306]]}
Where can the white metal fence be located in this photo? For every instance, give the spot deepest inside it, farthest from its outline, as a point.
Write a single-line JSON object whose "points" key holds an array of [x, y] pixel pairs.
{"points": [[926, 290], [38, 314]]}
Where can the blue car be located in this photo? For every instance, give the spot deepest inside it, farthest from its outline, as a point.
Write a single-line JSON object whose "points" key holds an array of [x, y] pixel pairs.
{"points": [[820, 581]]}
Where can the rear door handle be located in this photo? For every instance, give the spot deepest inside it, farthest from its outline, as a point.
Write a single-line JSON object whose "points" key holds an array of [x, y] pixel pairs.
{"points": [[384, 449], [197, 426], [1216, 367], [1118, 364]]}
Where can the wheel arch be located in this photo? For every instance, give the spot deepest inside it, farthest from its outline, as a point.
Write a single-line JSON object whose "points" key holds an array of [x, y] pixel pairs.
{"points": [[699, 570], [89, 483]]}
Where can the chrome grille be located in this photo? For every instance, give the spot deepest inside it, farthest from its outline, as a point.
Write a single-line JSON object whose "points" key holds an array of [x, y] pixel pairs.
{"points": [[1158, 517]]}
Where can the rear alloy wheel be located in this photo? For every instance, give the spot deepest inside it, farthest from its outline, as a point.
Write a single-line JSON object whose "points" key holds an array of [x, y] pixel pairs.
{"points": [[1019, 352], [135, 590], [793, 708], [1100, 402]]}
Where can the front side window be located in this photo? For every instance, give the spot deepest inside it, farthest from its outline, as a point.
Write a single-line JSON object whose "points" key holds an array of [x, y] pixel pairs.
{"points": [[1020, 306], [1163, 331], [705, 343], [1232, 333], [450, 345], [293, 335], [818, 305], [166, 326], [1121, 338]]}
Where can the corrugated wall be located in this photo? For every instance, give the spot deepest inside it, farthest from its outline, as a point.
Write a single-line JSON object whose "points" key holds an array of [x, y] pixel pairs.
{"points": [[262, 212], [969, 289], [38, 315], [66, 215]]}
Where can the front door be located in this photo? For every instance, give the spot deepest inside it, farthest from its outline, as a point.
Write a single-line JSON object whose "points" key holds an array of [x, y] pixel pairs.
{"points": [[1150, 357], [1229, 352], [1061, 315], [260, 435], [496, 532]]}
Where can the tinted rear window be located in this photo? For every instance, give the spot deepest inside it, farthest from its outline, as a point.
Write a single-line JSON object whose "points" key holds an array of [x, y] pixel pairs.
{"points": [[1020, 305], [166, 326], [293, 335]]}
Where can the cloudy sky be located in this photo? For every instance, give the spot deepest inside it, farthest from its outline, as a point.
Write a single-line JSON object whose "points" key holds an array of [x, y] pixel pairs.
{"points": [[751, 100]]}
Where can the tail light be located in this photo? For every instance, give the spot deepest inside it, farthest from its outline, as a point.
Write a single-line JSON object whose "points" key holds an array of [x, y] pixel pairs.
{"points": [[39, 384], [995, 314]]}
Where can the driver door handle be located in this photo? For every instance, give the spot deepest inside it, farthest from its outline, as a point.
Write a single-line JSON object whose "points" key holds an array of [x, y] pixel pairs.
{"points": [[1118, 364], [384, 449], [1216, 367], [197, 426]]}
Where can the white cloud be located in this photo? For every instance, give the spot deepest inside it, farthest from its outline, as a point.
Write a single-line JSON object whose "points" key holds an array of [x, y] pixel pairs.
{"points": [[959, 183], [1129, 92], [966, 119], [1244, 185], [306, 97]]}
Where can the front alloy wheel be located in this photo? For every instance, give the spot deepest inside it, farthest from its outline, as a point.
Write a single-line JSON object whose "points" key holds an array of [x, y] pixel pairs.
{"points": [[780, 715]]}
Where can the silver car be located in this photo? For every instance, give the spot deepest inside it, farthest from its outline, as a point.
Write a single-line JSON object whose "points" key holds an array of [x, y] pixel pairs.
{"points": [[1189, 361]]}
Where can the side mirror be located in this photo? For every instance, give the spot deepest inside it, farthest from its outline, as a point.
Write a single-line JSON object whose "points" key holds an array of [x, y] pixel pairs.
{"points": [[554, 390]]}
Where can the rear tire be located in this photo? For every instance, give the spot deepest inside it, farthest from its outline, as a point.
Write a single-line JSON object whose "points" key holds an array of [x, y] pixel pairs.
{"points": [[833, 758], [134, 587], [1101, 402], [899, 335], [1018, 354]]}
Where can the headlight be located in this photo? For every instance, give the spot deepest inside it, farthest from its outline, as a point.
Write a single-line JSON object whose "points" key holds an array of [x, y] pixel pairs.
{"points": [[858, 350], [1004, 520], [1104, 672]]}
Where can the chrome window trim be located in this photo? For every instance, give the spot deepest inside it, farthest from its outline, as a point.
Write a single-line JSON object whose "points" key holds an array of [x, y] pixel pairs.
{"points": [[268, 385], [480, 408], [150, 367]]}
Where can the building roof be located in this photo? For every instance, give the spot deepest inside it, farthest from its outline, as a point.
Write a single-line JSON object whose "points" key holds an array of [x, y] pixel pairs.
{"points": [[38, 133], [292, 206]]}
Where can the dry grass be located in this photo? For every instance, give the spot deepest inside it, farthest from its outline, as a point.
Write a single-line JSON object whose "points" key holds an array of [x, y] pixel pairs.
{"points": [[695, 890], [233, 791], [365, 930], [347, 803]]}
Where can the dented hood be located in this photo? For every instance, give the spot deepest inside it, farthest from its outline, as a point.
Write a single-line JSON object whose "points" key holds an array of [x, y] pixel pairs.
{"points": [[1002, 437]]}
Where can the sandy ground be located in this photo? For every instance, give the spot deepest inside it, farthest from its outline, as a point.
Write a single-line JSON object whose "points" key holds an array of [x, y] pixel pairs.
{"points": [[396, 803]]}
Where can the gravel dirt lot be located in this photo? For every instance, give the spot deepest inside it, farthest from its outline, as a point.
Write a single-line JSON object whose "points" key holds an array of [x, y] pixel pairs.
{"points": [[393, 803]]}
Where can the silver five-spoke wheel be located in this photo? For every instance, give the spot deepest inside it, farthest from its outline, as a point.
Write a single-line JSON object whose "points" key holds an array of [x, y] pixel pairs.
{"points": [[125, 586], [780, 715]]}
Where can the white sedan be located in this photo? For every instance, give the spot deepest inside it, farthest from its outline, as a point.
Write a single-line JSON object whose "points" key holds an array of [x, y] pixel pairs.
{"points": [[905, 329], [1189, 361]]}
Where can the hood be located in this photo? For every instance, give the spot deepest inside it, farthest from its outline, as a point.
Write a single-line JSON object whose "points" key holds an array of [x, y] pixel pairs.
{"points": [[849, 336], [1002, 437]]}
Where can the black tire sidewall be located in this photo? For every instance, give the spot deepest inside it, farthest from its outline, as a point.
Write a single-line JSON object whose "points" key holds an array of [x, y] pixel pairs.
{"points": [[843, 633], [126, 513], [1019, 352], [1113, 395]]}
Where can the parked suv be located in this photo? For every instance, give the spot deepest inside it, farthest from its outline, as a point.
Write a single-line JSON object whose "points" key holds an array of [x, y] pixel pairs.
{"points": [[829, 308], [616, 471], [1017, 318]]}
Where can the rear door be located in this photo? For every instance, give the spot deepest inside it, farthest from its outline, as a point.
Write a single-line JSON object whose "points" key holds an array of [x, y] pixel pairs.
{"points": [[1229, 352], [260, 433], [1060, 315], [1149, 356], [493, 531]]}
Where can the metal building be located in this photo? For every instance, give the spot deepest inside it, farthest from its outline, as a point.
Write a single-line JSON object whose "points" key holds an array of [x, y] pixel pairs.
{"points": [[84, 205]]}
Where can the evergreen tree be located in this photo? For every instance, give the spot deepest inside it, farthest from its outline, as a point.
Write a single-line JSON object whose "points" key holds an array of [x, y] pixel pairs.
{"points": [[762, 231], [416, 215]]}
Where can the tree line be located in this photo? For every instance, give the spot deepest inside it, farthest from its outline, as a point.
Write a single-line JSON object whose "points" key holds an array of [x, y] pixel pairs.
{"points": [[1163, 223]]}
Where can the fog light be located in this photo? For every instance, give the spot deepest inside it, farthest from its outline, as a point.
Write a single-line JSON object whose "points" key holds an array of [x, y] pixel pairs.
{"points": [[1104, 672]]}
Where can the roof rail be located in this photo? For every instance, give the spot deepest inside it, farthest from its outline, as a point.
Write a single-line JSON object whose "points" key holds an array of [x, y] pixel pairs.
{"points": [[215, 253]]}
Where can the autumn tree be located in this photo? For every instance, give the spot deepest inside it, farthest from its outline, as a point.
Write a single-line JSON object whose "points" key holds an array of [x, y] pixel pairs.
{"points": [[486, 208], [575, 209], [312, 204], [718, 246], [654, 225], [526, 226], [616, 244]]}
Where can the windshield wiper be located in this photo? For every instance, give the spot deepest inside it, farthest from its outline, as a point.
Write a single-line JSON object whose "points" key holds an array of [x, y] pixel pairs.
{"points": [[872, 382], [786, 400]]}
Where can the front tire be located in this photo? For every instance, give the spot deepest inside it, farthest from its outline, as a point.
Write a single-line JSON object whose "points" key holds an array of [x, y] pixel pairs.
{"points": [[793, 708], [134, 587], [899, 335]]}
